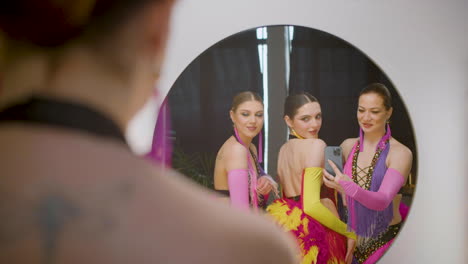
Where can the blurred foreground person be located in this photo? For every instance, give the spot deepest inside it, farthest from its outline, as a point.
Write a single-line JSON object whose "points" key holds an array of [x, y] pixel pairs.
{"points": [[74, 74]]}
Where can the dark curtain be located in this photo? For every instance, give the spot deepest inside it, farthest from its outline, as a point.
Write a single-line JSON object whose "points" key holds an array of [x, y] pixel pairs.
{"points": [[201, 97], [328, 67]]}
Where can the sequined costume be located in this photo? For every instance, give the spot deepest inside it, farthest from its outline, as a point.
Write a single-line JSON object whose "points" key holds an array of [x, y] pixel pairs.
{"points": [[371, 223]]}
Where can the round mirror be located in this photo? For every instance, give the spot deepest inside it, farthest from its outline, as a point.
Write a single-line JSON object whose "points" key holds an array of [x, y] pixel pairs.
{"points": [[275, 62]]}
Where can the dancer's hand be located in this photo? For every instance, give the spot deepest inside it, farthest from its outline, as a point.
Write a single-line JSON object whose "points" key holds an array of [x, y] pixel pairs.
{"points": [[334, 182], [264, 185]]}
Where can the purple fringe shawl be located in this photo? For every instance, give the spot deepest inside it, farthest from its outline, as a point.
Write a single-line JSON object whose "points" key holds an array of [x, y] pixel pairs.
{"points": [[362, 220]]}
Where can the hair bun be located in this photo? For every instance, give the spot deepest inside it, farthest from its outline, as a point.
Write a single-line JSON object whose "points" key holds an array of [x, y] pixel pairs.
{"points": [[44, 22]]}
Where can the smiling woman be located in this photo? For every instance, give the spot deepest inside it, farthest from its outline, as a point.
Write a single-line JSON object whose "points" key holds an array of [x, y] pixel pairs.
{"points": [[303, 115], [377, 166], [237, 171]]}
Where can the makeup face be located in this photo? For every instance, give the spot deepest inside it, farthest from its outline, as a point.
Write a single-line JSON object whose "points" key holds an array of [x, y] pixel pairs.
{"points": [[248, 118], [307, 121], [371, 114]]}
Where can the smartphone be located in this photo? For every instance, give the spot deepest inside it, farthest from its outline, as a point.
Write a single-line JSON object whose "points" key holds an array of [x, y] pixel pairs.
{"points": [[333, 153]]}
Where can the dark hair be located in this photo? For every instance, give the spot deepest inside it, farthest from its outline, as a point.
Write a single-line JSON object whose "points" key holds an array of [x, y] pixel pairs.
{"points": [[381, 90], [244, 97], [52, 23], [296, 101]]}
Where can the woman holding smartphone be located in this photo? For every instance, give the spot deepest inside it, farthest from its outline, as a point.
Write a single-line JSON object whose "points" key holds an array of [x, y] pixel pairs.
{"points": [[314, 222], [376, 167], [237, 173]]}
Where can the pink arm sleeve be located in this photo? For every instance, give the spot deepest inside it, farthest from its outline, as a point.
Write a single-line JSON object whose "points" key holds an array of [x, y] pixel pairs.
{"points": [[379, 200], [238, 181]]}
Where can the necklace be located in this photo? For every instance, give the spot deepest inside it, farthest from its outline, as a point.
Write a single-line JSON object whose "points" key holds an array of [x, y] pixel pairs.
{"points": [[257, 168], [365, 181]]}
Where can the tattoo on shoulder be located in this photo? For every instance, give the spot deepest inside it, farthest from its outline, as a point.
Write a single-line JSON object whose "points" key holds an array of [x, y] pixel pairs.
{"points": [[48, 218], [53, 213]]}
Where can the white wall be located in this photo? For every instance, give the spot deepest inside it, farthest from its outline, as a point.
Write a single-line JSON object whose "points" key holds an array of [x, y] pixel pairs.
{"points": [[421, 45]]}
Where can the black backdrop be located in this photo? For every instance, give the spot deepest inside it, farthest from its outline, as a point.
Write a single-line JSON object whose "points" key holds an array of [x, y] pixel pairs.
{"points": [[325, 66]]}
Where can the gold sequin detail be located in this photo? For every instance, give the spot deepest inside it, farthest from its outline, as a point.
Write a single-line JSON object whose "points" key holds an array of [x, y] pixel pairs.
{"points": [[365, 180], [363, 251]]}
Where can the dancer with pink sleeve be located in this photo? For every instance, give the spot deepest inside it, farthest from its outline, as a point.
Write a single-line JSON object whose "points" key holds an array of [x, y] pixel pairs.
{"points": [[237, 173], [376, 168]]}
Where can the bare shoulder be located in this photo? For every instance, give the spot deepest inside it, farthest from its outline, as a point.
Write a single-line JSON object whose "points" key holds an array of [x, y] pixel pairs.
{"points": [[121, 198], [307, 147], [400, 157], [234, 155], [317, 142], [398, 149], [230, 234], [234, 149], [311, 143], [347, 145], [313, 152]]}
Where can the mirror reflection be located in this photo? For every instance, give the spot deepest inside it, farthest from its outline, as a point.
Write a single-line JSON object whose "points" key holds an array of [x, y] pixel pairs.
{"points": [[258, 116]]}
